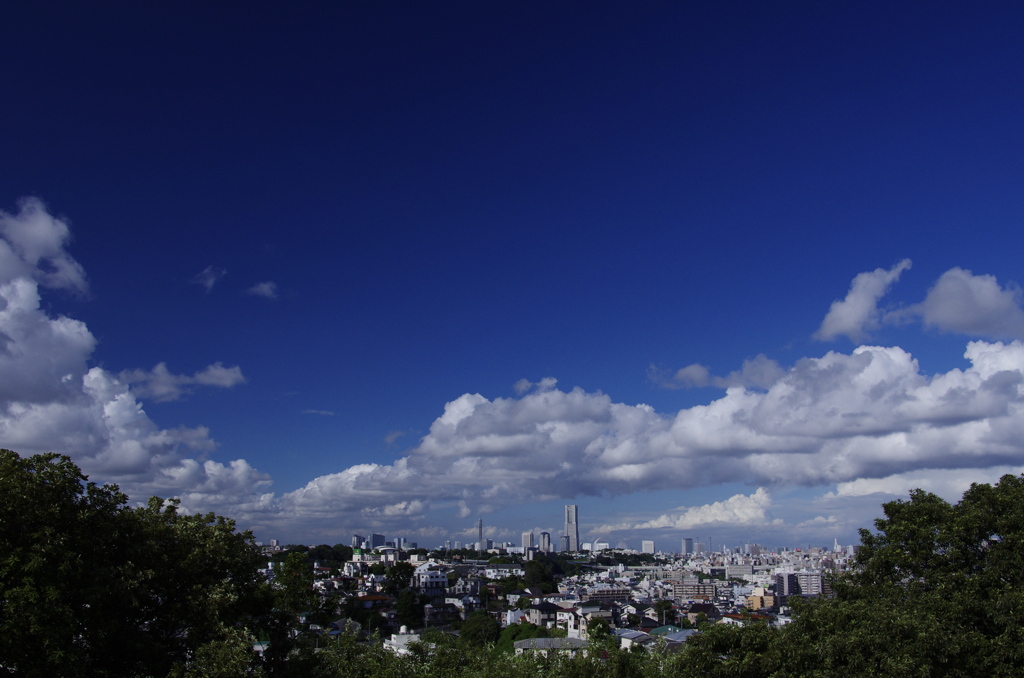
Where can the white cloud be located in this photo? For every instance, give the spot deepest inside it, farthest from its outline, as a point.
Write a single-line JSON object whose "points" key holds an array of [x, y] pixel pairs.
{"points": [[209, 277], [819, 521], [32, 247], [42, 359], [959, 302], [745, 510], [834, 419], [52, 400], [973, 304], [162, 386], [869, 420], [858, 313], [325, 413], [949, 484], [267, 290]]}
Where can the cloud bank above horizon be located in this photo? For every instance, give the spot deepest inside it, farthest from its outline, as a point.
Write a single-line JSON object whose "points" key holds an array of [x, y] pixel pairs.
{"points": [[851, 424]]}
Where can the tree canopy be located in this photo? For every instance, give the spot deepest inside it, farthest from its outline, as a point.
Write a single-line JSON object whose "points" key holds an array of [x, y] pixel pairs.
{"points": [[89, 586], [936, 590]]}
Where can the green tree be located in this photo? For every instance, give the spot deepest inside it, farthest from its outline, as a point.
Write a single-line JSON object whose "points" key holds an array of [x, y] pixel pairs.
{"points": [[480, 628], [938, 589], [666, 611], [294, 585], [538, 574], [522, 631], [409, 608], [399, 575], [598, 629], [89, 586], [232, 657]]}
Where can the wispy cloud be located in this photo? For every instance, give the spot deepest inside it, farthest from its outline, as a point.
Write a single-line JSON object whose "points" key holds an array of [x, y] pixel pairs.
{"points": [[163, 386], [209, 277], [857, 314], [759, 372], [325, 413], [392, 436], [267, 290], [525, 385]]}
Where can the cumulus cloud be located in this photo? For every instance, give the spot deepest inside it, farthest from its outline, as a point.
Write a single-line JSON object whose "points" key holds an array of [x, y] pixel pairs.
{"points": [[866, 421], [162, 386], [209, 277], [747, 510], [759, 372], [857, 313], [947, 483], [32, 247], [267, 290], [972, 304], [960, 302], [52, 400], [871, 413]]}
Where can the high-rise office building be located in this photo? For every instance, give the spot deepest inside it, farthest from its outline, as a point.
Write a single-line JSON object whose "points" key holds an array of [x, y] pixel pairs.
{"points": [[545, 542], [688, 547], [528, 540], [647, 546], [563, 542], [572, 526]]}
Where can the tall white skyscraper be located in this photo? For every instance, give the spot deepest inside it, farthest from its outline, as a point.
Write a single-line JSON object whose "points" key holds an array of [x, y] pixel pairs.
{"points": [[545, 542], [647, 546], [528, 540], [572, 526]]}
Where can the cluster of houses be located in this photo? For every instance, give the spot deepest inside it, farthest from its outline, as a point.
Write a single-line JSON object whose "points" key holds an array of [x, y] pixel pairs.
{"points": [[637, 605]]}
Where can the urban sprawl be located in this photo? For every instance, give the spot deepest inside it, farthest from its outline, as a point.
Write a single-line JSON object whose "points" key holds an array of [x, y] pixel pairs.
{"points": [[642, 598]]}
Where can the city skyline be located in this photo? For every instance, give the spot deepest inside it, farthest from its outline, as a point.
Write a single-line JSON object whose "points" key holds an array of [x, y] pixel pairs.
{"points": [[705, 269]]}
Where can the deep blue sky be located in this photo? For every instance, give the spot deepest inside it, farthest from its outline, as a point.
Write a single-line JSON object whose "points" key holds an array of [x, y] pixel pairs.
{"points": [[453, 197]]}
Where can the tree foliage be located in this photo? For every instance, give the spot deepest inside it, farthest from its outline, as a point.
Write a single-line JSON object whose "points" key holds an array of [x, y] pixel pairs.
{"points": [[399, 576], [937, 590], [89, 586], [480, 628]]}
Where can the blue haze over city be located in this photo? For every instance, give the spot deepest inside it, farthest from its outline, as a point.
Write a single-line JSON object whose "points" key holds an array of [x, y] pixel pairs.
{"points": [[737, 272]]}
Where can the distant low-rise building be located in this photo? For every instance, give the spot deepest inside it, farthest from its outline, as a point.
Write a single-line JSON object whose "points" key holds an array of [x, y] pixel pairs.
{"points": [[569, 646], [543, 614]]}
